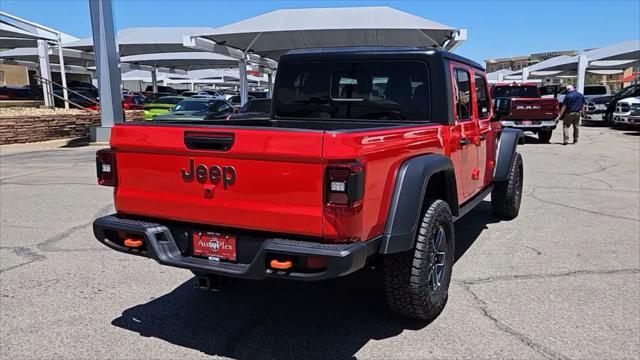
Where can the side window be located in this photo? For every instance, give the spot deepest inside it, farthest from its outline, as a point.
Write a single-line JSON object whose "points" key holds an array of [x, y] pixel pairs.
{"points": [[481, 97], [462, 87]]}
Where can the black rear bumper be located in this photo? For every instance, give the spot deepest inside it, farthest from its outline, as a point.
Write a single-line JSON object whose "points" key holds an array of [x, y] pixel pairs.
{"points": [[159, 244]]}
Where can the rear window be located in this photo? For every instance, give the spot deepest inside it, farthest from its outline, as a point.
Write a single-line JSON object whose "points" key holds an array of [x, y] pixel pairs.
{"points": [[190, 105], [516, 92], [167, 100], [363, 90], [595, 90]]}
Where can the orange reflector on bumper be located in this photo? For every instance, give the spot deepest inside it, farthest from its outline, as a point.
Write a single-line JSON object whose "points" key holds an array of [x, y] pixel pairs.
{"points": [[281, 265], [134, 243]]}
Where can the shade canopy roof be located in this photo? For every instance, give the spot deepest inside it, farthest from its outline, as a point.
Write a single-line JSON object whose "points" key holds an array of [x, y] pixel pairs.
{"points": [[71, 57], [274, 33], [8, 30], [614, 57], [228, 74], [148, 40], [495, 76], [628, 50], [23, 35], [183, 60]]}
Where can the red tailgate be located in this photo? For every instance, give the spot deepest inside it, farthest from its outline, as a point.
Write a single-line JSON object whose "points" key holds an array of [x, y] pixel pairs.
{"points": [[272, 179]]}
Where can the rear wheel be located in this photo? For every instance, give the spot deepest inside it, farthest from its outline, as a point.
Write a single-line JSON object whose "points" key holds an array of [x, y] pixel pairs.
{"points": [[545, 135], [417, 281], [507, 195]]}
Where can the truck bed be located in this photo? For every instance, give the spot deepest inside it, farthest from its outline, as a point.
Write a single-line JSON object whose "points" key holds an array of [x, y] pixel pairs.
{"points": [[303, 124]]}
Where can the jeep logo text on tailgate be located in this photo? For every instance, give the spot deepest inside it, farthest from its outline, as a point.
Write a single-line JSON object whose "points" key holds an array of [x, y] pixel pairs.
{"points": [[214, 174]]}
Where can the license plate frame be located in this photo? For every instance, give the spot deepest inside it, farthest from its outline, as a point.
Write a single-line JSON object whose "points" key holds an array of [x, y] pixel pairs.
{"points": [[214, 245], [527, 122]]}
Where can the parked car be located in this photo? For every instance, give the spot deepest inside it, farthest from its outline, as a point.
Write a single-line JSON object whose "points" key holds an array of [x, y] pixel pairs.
{"points": [[551, 91], [133, 102], [259, 94], [19, 93], [129, 102], [83, 87], [208, 95], [336, 180], [196, 109], [527, 110], [590, 92], [83, 99], [148, 91], [189, 93], [627, 112], [235, 101], [253, 109], [601, 109], [160, 106]]}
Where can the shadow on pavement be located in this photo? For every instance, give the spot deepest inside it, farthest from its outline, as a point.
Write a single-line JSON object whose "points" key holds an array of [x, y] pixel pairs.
{"points": [[280, 319], [469, 228], [77, 142]]}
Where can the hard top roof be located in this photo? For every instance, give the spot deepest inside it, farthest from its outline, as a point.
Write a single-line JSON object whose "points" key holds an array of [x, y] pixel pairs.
{"points": [[347, 52]]}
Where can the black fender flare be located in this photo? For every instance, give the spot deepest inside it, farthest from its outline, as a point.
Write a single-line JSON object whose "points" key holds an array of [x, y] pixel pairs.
{"points": [[506, 153], [408, 196]]}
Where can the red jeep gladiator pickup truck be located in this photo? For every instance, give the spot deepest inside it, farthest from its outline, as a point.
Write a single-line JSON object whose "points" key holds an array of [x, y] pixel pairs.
{"points": [[527, 111], [368, 158]]}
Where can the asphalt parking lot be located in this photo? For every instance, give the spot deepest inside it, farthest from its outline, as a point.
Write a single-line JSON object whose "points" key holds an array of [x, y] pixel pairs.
{"points": [[562, 281]]}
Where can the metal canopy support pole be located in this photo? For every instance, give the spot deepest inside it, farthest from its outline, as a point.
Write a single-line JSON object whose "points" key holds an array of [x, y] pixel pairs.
{"points": [[45, 72], [63, 75], [242, 64], [525, 74], [582, 72], [270, 82], [500, 77], [193, 86], [154, 80], [107, 59]]}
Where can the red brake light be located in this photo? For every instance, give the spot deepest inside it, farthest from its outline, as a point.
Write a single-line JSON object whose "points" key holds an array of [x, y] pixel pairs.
{"points": [[106, 167], [344, 184]]}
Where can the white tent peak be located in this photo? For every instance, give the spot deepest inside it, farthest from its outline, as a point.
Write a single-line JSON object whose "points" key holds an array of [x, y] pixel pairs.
{"points": [[331, 18]]}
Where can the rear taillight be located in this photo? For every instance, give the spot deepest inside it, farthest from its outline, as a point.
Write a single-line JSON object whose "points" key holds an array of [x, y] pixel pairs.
{"points": [[106, 167], [344, 184]]}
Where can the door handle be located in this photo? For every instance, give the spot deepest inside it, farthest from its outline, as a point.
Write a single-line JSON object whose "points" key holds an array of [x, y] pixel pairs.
{"points": [[464, 141]]}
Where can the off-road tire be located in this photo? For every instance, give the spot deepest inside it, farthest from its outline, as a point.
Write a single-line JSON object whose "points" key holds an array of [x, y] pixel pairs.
{"points": [[544, 136], [507, 195], [408, 276]]}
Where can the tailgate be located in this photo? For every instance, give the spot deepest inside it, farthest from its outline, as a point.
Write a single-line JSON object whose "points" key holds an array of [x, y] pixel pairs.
{"points": [[534, 108], [237, 177]]}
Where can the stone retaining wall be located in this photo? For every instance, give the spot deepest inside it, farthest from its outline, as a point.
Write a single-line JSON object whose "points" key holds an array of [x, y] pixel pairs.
{"points": [[23, 128]]}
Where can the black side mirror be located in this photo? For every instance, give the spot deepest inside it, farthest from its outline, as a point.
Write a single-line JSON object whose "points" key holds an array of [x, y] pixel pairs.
{"points": [[501, 107]]}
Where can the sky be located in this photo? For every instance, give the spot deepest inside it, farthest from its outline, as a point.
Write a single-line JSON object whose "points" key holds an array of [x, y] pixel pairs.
{"points": [[495, 28]]}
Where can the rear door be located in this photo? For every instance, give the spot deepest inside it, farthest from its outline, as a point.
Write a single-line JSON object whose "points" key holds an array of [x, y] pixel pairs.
{"points": [[466, 129], [258, 179], [487, 140]]}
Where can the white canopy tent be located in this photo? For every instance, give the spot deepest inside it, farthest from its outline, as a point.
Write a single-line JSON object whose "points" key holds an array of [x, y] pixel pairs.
{"points": [[618, 56], [151, 40], [182, 60], [273, 34], [71, 57], [18, 32], [498, 76]]}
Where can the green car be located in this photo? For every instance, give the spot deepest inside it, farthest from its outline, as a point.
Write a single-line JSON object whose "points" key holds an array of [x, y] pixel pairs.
{"points": [[161, 105], [197, 109]]}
